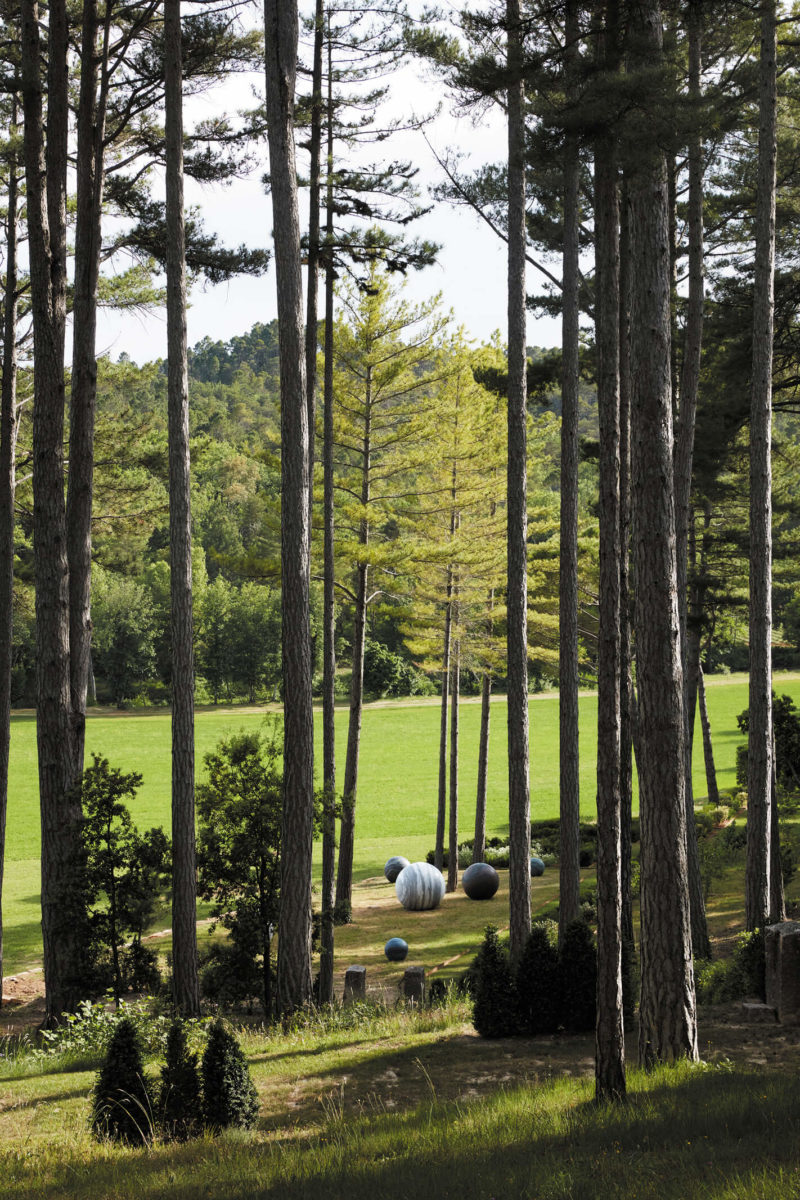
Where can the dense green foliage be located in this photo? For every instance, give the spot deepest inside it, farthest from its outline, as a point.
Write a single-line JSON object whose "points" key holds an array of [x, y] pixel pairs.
{"points": [[126, 872], [538, 981], [229, 1095], [494, 1011], [122, 1104], [180, 1105]]}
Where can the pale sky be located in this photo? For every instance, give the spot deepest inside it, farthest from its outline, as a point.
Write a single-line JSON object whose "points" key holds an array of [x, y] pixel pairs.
{"points": [[470, 273]]}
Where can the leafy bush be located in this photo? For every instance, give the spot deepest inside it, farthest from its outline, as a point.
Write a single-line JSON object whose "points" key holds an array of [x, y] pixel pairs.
{"points": [[140, 970], [578, 968], [230, 976], [229, 1094], [538, 981], [494, 1002], [121, 1102], [732, 978], [388, 674], [786, 723], [180, 1107], [88, 1032]]}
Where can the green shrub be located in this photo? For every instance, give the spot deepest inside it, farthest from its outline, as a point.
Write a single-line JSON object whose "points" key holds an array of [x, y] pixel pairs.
{"points": [[121, 1103], [578, 968], [732, 978], [229, 1094], [494, 1002], [180, 1108], [140, 970], [538, 981], [749, 955]]}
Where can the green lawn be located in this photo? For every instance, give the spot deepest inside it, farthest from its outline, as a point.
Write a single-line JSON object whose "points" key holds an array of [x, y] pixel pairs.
{"points": [[397, 783]]}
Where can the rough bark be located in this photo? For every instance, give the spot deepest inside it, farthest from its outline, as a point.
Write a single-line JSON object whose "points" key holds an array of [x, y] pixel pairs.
{"points": [[708, 748], [328, 896], [625, 647], [777, 898], [684, 451], [8, 441], [452, 855], [63, 923], [294, 945], [569, 776], [441, 803], [185, 982], [667, 1012], [479, 843], [83, 390], [312, 276], [610, 1039], [758, 904], [344, 875], [517, 509]]}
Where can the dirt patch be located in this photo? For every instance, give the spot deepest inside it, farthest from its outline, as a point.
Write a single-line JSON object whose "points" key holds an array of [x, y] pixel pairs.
{"points": [[23, 1003]]}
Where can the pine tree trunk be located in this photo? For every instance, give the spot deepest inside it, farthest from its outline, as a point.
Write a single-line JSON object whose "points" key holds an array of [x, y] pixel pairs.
{"points": [[294, 944], [625, 649], [519, 882], [63, 914], [684, 451], [610, 1039], [314, 197], [441, 803], [8, 442], [328, 897], [344, 877], [667, 1012], [708, 748], [185, 982], [569, 775], [91, 129], [758, 904], [479, 843], [452, 859], [777, 898]]}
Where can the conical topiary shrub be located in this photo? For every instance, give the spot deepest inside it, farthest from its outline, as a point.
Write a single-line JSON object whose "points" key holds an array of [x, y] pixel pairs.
{"points": [[121, 1102], [180, 1107], [229, 1094], [538, 981], [578, 968], [494, 1002]]}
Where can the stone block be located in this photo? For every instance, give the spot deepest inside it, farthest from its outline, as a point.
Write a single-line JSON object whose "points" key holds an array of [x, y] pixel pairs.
{"points": [[413, 985], [755, 1013], [355, 984], [782, 952]]}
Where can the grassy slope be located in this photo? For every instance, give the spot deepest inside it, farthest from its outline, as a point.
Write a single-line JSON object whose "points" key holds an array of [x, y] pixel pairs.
{"points": [[389, 1108], [397, 784]]}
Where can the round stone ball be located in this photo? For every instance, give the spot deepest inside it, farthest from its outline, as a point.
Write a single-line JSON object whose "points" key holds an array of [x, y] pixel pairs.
{"points": [[420, 886], [480, 881], [394, 866], [396, 949], [537, 867]]}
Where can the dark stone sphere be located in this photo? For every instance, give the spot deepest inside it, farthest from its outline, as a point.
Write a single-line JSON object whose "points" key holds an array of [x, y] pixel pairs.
{"points": [[396, 950], [394, 866], [537, 867], [480, 881]]}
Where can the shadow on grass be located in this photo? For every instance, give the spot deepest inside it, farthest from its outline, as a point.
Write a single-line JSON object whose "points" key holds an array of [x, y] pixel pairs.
{"points": [[701, 1134]]}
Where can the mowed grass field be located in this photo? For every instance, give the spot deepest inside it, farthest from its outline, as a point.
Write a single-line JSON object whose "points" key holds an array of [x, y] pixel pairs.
{"points": [[398, 777]]}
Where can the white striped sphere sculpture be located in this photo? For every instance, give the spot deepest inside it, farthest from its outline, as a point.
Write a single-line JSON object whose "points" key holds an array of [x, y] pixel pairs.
{"points": [[420, 886], [394, 866]]}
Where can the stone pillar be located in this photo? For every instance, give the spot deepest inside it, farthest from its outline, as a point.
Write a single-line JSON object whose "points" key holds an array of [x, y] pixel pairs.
{"points": [[355, 984], [413, 985], [782, 950]]}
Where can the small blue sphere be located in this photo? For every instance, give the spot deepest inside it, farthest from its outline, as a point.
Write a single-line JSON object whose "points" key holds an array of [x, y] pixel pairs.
{"points": [[394, 866], [480, 881], [396, 950], [537, 867]]}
